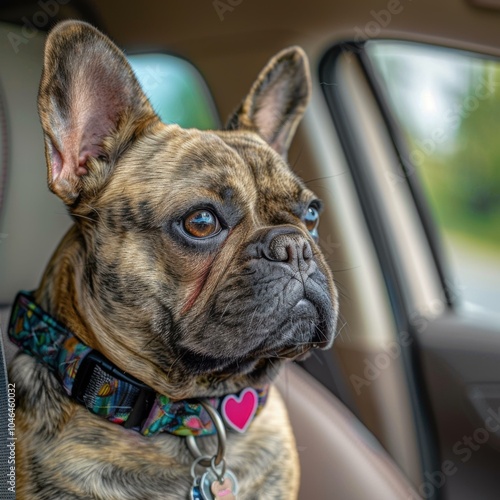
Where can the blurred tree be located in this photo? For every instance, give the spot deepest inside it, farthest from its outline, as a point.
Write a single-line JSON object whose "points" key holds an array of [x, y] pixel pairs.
{"points": [[476, 159]]}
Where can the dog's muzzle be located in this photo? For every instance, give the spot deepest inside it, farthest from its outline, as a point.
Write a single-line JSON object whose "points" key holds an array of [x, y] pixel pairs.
{"points": [[291, 281]]}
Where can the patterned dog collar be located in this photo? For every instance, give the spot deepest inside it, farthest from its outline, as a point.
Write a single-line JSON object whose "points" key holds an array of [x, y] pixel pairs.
{"points": [[93, 381]]}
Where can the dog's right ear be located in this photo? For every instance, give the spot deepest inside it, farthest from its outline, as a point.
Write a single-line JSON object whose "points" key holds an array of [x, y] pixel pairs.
{"points": [[90, 104]]}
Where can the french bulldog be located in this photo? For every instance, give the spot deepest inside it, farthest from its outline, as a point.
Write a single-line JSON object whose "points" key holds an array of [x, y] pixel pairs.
{"points": [[192, 267]]}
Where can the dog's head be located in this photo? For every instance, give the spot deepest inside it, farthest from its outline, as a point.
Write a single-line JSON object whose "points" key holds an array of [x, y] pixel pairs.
{"points": [[197, 253]]}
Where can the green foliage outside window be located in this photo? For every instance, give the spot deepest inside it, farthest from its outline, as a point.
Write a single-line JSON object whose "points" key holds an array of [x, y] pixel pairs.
{"points": [[448, 106]]}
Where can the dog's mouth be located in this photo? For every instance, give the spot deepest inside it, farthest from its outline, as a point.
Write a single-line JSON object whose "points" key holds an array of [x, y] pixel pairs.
{"points": [[304, 331], [300, 351]]}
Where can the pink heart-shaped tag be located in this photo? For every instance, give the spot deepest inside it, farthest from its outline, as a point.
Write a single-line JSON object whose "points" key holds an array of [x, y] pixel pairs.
{"points": [[238, 412]]}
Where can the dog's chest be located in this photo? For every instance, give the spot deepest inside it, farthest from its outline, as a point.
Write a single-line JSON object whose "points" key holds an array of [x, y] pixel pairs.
{"points": [[94, 459]]}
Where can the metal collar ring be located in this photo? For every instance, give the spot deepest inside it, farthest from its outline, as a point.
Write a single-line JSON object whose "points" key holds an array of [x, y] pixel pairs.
{"points": [[221, 438]]}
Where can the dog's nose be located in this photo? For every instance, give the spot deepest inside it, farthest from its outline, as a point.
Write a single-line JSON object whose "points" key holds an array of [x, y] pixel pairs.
{"points": [[287, 245]]}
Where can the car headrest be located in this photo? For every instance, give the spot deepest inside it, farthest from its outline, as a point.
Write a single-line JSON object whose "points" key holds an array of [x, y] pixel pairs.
{"points": [[32, 219]]}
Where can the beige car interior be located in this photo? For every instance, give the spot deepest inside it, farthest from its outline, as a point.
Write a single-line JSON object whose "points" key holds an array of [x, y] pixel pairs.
{"points": [[365, 446]]}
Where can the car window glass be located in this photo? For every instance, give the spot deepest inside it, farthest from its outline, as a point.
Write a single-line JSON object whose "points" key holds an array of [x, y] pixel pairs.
{"points": [[447, 104], [176, 90]]}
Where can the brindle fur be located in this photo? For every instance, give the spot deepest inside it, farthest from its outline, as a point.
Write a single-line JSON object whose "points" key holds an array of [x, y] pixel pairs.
{"points": [[189, 320]]}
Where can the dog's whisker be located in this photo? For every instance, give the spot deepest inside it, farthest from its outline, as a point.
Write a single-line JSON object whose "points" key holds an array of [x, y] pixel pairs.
{"points": [[149, 342], [325, 177], [80, 216], [176, 360], [339, 332], [251, 319], [226, 308]]}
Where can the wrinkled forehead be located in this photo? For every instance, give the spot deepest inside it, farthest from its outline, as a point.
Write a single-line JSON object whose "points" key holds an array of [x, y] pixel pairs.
{"points": [[179, 167], [271, 175]]}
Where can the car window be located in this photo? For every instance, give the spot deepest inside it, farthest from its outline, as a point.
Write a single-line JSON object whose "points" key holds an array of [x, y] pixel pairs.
{"points": [[447, 105], [176, 90]]}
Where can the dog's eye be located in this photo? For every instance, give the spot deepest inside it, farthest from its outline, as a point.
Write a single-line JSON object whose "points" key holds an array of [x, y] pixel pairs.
{"points": [[311, 220], [202, 224]]}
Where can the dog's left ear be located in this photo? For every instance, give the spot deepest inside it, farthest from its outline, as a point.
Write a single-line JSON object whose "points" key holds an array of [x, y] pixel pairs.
{"points": [[277, 100]]}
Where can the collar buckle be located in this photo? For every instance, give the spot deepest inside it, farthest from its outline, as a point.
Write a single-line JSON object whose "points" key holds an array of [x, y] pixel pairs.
{"points": [[107, 391]]}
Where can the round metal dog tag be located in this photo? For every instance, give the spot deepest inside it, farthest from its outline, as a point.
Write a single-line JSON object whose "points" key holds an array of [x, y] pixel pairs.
{"points": [[212, 488]]}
